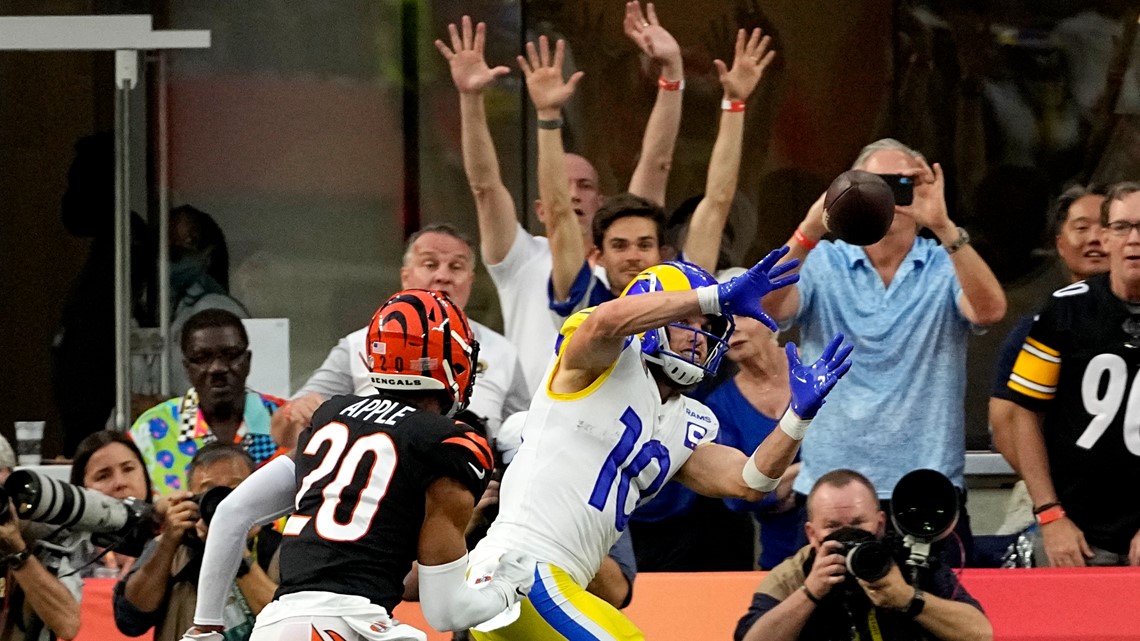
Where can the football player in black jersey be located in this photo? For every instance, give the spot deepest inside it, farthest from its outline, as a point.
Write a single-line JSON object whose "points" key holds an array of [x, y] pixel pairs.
{"points": [[1077, 429], [379, 482]]}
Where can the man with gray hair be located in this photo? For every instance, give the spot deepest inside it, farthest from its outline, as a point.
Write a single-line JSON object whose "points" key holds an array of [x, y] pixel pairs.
{"points": [[440, 258], [909, 303]]}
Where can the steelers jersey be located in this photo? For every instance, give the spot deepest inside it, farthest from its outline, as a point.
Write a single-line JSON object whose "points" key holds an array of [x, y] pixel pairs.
{"points": [[362, 472], [587, 459], [1079, 366]]}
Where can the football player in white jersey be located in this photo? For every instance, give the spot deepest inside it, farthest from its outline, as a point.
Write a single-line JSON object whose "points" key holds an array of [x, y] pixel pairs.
{"points": [[610, 426]]}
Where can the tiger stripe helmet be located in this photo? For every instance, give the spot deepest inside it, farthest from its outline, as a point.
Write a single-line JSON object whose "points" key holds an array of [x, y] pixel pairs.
{"points": [[684, 370], [421, 341]]}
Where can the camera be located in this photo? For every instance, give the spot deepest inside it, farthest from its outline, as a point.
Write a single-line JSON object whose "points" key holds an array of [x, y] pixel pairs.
{"points": [[208, 503], [924, 509], [901, 186], [124, 525]]}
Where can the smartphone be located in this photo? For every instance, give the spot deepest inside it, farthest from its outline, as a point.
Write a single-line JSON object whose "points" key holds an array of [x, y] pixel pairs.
{"points": [[902, 187]]}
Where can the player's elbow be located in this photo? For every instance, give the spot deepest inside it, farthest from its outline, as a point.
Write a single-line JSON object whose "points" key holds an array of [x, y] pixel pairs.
{"points": [[607, 320]]}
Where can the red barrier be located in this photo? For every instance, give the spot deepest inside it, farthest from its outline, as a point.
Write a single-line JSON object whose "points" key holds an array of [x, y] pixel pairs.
{"points": [[1093, 604]]}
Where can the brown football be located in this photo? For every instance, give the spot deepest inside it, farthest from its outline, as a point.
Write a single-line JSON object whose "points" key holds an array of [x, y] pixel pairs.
{"points": [[859, 207]]}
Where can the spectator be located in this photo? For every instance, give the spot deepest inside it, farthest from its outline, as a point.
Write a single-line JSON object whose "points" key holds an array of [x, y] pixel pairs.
{"points": [[749, 406], [1071, 437], [1076, 225], [519, 263], [199, 278], [910, 304], [84, 343], [810, 595], [216, 356], [437, 257], [7, 459], [628, 231], [37, 605], [160, 591]]}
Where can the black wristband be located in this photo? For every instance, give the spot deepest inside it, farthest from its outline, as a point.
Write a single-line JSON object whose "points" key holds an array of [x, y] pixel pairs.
{"points": [[811, 597], [555, 123], [1041, 508], [16, 560], [244, 567], [917, 603]]}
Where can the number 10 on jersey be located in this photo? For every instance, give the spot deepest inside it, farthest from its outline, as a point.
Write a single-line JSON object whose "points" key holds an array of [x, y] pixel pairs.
{"points": [[625, 473]]}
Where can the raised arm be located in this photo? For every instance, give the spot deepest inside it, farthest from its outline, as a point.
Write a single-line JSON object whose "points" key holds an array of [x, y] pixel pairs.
{"points": [[702, 243], [651, 176], [722, 471], [783, 304], [47, 596], [548, 91], [598, 341], [983, 300], [494, 206]]}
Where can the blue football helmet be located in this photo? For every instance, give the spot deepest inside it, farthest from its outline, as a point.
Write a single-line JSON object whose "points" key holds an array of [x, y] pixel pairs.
{"points": [[685, 370]]}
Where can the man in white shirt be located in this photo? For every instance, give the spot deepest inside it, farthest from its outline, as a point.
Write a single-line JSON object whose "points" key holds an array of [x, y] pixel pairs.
{"points": [[440, 258]]}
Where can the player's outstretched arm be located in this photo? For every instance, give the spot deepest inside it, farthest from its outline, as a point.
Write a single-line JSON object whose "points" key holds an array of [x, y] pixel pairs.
{"points": [[715, 472], [598, 341], [447, 602], [266, 495], [702, 243], [498, 219], [651, 176]]}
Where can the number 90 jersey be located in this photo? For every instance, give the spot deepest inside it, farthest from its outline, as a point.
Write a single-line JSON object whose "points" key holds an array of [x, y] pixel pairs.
{"points": [[362, 473], [587, 460], [1079, 367]]}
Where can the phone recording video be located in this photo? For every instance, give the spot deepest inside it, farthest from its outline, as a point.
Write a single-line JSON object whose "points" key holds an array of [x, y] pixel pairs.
{"points": [[902, 187]]}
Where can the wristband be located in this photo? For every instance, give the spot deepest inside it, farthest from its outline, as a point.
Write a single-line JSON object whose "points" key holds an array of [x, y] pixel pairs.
{"points": [[794, 426], [803, 240], [670, 85], [917, 603], [550, 124], [732, 106], [1054, 513], [756, 479], [708, 297], [16, 560], [962, 240], [811, 597], [1041, 508]]}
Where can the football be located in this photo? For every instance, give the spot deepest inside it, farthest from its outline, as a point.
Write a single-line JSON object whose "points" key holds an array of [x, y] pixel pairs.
{"points": [[859, 207]]}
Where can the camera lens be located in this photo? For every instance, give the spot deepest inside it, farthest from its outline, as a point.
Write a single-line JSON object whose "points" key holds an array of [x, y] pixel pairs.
{"points": [[5, 514], [924, 505], [209, 501], [869, 561]]}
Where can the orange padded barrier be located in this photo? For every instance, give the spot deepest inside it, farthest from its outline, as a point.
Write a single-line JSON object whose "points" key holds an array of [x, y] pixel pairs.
{"points": [[1091, 604]]}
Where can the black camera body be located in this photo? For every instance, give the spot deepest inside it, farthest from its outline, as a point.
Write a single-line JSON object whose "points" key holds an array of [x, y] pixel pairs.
{"points": [[208, 503], [867, 558]]}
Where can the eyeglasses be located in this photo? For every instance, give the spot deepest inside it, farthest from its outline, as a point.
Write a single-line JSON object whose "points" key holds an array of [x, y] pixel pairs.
{"points": [[1122, 227], [229, 357]]}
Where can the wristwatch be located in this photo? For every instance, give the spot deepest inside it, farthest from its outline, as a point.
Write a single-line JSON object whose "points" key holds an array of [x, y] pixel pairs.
{"points": [[917, 603], [963, 239], [16, 560]]}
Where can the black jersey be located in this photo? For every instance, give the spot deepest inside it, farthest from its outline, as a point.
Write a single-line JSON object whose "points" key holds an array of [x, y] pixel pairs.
{"points": [[362, 472], [1079, 366]]}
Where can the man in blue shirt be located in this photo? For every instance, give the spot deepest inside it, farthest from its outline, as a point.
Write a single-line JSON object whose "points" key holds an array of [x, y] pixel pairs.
{"points": [[909, 303]]}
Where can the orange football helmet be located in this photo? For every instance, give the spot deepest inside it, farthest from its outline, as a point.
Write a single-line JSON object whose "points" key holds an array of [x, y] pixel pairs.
{"points": [[419, 341]]}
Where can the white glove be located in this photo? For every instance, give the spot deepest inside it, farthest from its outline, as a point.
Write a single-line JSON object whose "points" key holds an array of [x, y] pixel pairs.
{"points": [[516, 569], [194, 635]]}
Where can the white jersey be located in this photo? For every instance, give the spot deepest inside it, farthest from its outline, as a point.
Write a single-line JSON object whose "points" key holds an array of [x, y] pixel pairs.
{"points": [[587, 460]]}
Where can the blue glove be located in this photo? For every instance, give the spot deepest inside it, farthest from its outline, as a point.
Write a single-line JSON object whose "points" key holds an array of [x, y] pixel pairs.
{"points": [[741, 295], [810, 384]]}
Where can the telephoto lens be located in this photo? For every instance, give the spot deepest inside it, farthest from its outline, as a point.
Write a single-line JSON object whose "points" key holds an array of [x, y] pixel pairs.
{"points": [[209, 501]]}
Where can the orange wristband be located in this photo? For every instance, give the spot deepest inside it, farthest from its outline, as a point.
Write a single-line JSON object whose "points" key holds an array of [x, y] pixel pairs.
{"points": [[1052, 514], [671, 85], [733, 106], [803, 240]]}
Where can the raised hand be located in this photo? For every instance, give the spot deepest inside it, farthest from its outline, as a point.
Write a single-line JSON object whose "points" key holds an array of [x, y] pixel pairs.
{"points": [[469, 70], [741, 295], [929, 207], [645, 30], [548, 91], [811, 383], [748, 65]]}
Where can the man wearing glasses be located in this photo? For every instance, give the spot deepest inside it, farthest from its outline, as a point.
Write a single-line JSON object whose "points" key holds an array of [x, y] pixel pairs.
{"points": [[218, 407], [1076, 427]]}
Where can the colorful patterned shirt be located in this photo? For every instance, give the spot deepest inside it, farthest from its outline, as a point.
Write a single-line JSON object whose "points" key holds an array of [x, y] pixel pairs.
{"points": [[170, 433]]}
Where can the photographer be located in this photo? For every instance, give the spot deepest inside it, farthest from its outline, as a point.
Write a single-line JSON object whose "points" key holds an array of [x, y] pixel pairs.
{"points": [[160, 591], [811, 595], [33, 599]]}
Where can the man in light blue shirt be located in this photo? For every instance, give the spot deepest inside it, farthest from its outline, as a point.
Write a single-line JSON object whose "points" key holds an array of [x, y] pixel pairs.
{"points": [[909, 304]]}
